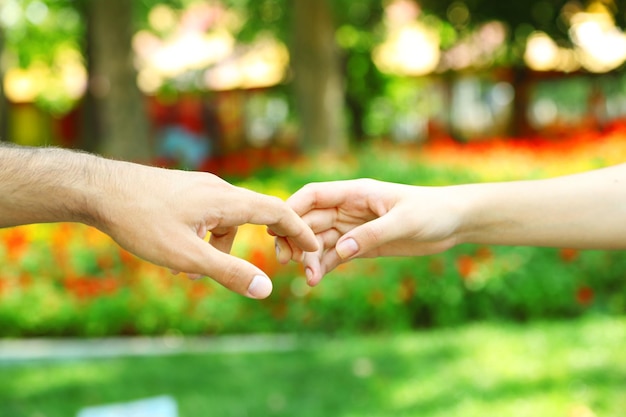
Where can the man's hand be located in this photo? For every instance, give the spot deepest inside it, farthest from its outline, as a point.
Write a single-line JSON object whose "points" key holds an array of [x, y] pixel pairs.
{"points": [[163, 217], [159, 215]]}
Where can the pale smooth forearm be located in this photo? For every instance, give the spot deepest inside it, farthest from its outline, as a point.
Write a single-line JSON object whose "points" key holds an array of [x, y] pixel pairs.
{"points": [[586, 210], [49, 185]]}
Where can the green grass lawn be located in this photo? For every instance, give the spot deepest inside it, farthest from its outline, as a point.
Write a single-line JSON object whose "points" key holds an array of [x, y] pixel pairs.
{"points": [[568, 369]]}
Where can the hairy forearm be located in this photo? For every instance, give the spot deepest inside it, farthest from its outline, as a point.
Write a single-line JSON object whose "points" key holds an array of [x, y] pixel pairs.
{"points": [[42, 185], [585, 210]]}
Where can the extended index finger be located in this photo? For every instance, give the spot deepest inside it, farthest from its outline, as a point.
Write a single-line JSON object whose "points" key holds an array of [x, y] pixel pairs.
{"points": [[320, 195], [281, 220]]}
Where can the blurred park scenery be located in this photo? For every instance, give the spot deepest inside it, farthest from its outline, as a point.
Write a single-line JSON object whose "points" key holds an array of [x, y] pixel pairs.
{"points": [[271, 95]]}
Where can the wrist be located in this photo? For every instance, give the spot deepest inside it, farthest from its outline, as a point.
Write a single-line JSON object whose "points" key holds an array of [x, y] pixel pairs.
{"points": [[76, 185], [472, 216], [105, 195], [493, 214]]}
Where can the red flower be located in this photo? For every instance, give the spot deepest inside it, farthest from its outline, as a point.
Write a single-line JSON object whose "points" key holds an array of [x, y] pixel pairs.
{"points": [[465, 265], [484, 253], [569, 255], [108, 285], [264, 260], [128, 258], [584, 296], [90, 287], [17, 243], [198, 290]]}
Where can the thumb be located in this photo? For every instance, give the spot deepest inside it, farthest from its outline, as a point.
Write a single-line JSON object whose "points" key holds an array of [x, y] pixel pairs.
{"points": [[367, 237], [233, 273]]}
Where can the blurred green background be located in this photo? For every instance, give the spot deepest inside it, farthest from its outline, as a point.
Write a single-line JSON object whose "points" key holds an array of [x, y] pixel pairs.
{"points": [[271, 95]]}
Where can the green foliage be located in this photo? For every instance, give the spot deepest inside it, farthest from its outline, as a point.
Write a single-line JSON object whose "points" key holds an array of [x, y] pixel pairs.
{"points": [[36, 35], [260, 16]]}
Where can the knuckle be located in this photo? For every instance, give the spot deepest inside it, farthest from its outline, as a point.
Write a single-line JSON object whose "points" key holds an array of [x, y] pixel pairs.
{"points": [[187, 266], [276, 202], [367, 182], [230, 277], [373, 233], [310, 187]]}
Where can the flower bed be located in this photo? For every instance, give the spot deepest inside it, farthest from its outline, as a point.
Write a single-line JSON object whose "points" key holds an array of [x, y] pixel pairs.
{"points": [[68, 279]]}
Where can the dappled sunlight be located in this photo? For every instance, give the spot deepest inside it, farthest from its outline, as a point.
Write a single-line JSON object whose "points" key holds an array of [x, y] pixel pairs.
{"points": [[35, 383], [197, 50], [543, 54], [515, 372], [599, 45], [410, 50]]}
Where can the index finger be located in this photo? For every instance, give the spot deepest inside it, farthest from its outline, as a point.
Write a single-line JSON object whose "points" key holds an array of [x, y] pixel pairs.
{"points": [[281, 220], [320, 195]]}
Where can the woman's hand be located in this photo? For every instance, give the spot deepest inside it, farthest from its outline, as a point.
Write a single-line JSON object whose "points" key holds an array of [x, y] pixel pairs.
{"points": [[369, 218]]}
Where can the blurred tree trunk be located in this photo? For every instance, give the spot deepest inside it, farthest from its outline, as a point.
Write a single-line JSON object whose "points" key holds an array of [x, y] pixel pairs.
{"points": [[4, 108], [91, 133], [318, 79], [119, 105], [520, 125]]}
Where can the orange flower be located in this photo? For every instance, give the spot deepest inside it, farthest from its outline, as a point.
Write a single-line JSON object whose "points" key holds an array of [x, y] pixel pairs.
{"points": [[584, 296], [484, 253], [264, 260], [465, 265], [198, 290], [127, 258], [108, 285], [569, 255], [90, 287], [16, 243], [25, 281], [62, 235]]}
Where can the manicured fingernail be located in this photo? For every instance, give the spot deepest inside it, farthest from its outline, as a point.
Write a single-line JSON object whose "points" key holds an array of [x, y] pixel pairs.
{"points": [[260, 287], [309, 275], [347, 248]]}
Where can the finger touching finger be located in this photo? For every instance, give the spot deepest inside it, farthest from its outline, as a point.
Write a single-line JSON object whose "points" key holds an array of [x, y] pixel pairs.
{"points": [[320, 220], [280, 219], [319, 195], [283, 250], [312, 268]]}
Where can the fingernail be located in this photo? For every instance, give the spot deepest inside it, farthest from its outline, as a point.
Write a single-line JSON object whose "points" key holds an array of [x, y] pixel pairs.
{"points": [[347, 248], [260, 287], [309, 275], [277, 250]]}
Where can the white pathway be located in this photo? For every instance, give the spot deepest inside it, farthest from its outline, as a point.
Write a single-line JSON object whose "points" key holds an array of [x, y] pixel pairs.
{"points": [[26, 350]]}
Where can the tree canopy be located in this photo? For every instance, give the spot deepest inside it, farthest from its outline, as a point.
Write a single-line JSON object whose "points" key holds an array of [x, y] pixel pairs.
{"points": [[50, 40]]}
